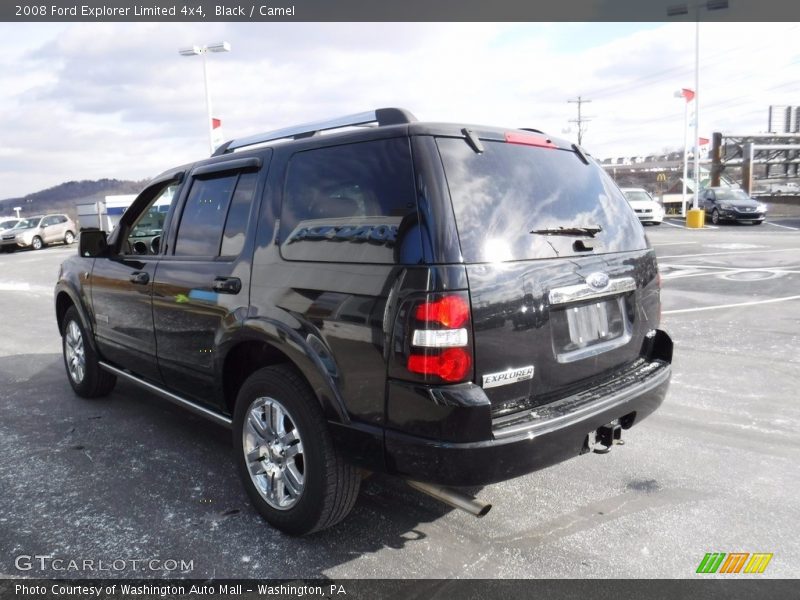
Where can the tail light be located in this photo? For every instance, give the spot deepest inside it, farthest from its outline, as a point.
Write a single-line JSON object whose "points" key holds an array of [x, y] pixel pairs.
{"points": [[451, 365], [439, 347]]}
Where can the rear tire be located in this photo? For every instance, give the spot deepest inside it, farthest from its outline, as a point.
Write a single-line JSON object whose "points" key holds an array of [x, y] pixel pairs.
{"points": [[85, 375], [285, 457]]}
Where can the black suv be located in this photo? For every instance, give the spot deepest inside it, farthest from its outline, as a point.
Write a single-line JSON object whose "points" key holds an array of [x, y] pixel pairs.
{"points": [[452, 305]]}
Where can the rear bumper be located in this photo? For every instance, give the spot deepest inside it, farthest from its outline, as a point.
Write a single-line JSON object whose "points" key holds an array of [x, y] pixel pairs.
{"points": [[530, 440]]}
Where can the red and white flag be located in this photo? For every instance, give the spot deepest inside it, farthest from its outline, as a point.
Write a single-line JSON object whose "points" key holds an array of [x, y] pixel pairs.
{"points": [[688, 94], [216, 132], [703, 141]]}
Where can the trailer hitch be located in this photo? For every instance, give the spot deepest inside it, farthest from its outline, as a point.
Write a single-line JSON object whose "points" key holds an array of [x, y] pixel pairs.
{"points": [[604, 438]]}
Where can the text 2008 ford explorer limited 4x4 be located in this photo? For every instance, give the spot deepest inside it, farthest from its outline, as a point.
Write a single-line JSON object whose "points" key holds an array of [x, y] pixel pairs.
{"points": [[453, 305]]}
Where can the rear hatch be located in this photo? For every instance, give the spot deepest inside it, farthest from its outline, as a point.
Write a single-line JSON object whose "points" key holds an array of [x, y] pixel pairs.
{"points": [[563, 284]]}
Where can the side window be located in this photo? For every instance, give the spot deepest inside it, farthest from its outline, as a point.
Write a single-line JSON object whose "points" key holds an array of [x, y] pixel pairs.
{"points": [[47, 221], [351, 203], [216, 215], [144, 235], [239, 215]]}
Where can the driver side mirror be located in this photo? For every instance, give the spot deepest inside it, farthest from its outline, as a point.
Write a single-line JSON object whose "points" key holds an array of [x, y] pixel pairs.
{"points": [[92, 243]]}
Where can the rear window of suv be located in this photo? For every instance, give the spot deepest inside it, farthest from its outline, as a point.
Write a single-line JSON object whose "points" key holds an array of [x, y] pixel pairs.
{"points": [[502, 194]]}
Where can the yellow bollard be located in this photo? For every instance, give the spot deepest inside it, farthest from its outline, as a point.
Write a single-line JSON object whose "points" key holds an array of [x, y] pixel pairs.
{"points": [[695, 218]]}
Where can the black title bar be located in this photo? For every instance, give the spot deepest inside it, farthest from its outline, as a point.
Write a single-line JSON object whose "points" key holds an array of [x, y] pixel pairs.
{"points": [[398, 10]]}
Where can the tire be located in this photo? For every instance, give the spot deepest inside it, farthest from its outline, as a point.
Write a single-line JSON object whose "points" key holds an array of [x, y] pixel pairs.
{"points": [[80, 360], [715, 217], [37, 243], [299, 482], [69, 237]]}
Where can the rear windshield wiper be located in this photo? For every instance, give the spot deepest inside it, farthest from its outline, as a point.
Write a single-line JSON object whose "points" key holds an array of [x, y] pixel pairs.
{"points": [[590, 231]]}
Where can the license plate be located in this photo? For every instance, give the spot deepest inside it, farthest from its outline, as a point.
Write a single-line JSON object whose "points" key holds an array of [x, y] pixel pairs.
{"points": [[588, 323], [581, 331]]}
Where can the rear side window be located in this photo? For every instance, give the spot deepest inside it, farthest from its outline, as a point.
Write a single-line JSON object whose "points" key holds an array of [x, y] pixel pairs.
{"points": [[351, 203], [502, 194], [216, 214]]}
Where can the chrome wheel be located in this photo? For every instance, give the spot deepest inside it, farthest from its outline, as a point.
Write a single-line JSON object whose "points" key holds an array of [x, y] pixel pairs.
{"points": [[69, 238], [74, 352], [274, 453], [37, 243]]}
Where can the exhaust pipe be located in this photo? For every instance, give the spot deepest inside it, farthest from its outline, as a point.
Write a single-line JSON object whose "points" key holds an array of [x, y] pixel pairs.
{"points": [[452, 497]]}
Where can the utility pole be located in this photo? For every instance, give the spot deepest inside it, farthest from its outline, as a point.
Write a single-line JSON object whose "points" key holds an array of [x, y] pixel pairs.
{"points": [[581, 119]]}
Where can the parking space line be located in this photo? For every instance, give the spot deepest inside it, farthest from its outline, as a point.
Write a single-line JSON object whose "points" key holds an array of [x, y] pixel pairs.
{"points": [[731, 252], [784, 226], [674, 224], [785, 269], [726, 272], [718, 306], [673, 244]]}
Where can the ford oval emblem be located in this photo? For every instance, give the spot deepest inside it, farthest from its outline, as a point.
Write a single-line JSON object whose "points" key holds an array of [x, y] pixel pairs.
{"points": [[597, 281]]}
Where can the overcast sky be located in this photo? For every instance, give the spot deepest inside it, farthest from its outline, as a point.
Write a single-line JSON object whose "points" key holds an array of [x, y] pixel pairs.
{"points": [[94, 100]]}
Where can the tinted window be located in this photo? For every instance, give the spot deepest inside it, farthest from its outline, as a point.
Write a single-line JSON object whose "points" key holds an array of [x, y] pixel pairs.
{"points": [[353, 203], [203, 218], [509, 190], [239, 215]]}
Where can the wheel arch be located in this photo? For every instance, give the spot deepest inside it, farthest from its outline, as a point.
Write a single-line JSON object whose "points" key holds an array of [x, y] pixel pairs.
{"points": [[66, 298], [262, 343]]}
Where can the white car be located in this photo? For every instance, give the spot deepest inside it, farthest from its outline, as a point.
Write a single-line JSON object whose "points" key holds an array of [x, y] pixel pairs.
{"points": [[642, 203]]}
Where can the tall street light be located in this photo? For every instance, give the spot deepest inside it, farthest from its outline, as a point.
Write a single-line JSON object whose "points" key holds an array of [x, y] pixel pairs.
{"points": [[679, 10], [203, 51]]}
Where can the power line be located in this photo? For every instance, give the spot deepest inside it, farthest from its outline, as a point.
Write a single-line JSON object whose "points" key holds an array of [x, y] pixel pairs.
{"points": [[581, 119]]}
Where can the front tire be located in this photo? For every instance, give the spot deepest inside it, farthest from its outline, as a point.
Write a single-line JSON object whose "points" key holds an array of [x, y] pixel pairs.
{"points": [[69, 237], [85, 375], [36, 243], [286, 459], [715, 217]]}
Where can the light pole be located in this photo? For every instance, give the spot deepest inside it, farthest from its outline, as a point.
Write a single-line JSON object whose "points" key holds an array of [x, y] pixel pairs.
{"points": [[202, 51], [688, 96], [683, 9]]}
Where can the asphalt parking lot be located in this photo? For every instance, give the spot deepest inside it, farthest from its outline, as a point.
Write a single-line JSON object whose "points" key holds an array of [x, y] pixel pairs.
{"points": [[715, 470]]}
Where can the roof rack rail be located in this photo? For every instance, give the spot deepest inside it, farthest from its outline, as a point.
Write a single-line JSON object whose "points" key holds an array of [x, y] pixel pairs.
{"points": [[381, 116]]}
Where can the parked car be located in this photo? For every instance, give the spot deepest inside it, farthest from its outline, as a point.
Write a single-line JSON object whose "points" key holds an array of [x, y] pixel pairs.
{"points": [[8, 223], [646, 209], [343, 303], [728, 204], [36, 232]]}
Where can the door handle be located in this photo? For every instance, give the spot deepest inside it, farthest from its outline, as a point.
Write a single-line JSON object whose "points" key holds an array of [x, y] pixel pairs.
{"points": [[140, 277], [227, 285]]}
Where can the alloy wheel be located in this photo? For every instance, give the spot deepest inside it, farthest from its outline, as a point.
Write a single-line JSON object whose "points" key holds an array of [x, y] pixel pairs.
{"points": [[273, 451], [75, 353]]}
